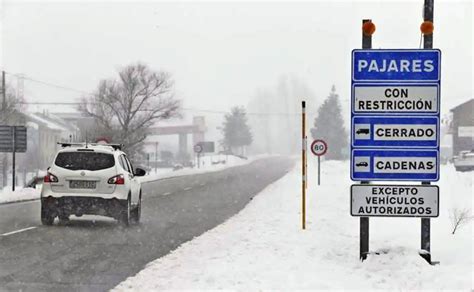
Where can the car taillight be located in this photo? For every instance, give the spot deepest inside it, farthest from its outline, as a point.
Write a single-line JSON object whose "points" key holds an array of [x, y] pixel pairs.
{"points": [[49, 178], [117, 180]]}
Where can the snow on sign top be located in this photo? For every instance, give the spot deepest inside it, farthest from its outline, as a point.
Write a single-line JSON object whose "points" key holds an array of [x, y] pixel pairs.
{"points": [[396, 65]]}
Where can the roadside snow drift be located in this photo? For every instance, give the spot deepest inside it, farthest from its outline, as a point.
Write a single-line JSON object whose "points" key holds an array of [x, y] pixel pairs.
{"points": [[208, 163], [20, 194], [264, 247]]}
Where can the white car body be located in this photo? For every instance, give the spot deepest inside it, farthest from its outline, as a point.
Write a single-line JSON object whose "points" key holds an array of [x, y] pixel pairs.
{"points": [[82, 179], [464, 161]]}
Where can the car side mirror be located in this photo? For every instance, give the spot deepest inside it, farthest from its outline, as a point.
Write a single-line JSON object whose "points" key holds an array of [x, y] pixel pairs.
{"points": [[139, 172]]}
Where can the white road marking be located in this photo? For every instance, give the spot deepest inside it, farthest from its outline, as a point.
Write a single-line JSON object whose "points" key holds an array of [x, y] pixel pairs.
{"points": [[202, 184], [188, 188], [18, 231], [166, 194], [8, 204]]}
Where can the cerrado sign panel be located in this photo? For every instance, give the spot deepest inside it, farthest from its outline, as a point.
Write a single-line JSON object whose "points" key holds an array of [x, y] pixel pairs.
{"points": [[390, 132]]}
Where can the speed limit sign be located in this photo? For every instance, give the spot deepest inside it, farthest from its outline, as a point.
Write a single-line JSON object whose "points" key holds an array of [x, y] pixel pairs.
{"points": [[319, 147], [197, 148]]}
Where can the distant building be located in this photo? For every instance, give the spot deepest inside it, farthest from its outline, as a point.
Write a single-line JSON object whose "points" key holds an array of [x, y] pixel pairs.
{"points": [[462, 127], [44, 131]]}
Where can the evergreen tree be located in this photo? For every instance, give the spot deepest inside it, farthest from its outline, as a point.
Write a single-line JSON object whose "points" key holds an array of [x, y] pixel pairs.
{"points": [[236, 130], [329, 126]]}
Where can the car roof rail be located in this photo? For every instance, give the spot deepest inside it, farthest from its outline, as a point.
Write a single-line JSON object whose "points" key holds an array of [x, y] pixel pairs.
{"points": [[115, 146], [69, 144]]}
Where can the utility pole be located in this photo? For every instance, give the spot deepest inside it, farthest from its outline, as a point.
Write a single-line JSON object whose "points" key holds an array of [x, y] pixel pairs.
{"points": [[4, 92]]}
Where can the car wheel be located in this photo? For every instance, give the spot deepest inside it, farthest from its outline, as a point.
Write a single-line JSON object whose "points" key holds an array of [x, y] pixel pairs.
{"points": [[126, 212], [137, 212], [46, 217], [63, 218]]}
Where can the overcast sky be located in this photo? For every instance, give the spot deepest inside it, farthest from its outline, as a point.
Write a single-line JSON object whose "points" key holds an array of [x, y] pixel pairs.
{"points": [[221, 53]]}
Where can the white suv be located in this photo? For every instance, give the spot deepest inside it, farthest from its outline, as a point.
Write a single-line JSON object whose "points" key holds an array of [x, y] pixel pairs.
{"points": [[91, 179]]}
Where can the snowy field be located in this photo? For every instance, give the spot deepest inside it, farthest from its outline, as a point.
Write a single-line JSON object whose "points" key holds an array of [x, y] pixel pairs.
{"points": [[22, 194], [263, 246]]}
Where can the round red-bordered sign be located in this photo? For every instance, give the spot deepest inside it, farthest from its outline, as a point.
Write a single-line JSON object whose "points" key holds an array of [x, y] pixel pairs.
{"points": [[319, 147], [198, 148]]}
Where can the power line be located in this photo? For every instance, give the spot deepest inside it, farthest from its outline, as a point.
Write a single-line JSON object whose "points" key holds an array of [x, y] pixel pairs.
{"points": [[184, 109], [25, 77], [91, 94]]}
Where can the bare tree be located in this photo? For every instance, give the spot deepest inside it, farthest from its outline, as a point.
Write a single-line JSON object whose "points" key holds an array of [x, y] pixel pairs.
{"points": [[459, 217], [125, 108], [11, 107]]}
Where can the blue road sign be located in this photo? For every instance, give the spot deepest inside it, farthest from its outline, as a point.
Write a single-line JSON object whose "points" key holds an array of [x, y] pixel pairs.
{"points": [[396, 65], [395, 132], [395, 114], [408, 165]]}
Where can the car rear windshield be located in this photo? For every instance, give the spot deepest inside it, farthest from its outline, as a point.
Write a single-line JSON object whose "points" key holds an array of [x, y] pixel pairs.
{"points": [[84, 160]]}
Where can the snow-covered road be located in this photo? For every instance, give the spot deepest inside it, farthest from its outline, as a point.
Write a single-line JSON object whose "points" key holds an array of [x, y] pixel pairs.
{"points": [[263, 247]]}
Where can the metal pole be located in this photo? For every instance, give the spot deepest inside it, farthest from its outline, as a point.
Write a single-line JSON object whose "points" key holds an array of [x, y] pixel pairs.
{"points": [[426, 222], [4, 92], [156, 157], [364, 221], [303, 166], [13, 157], [319, 170]]}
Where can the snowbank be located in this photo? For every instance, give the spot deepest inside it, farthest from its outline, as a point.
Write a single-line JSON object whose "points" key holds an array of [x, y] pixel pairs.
{"points": [[20, 194], [263, 246], [207, 164]]}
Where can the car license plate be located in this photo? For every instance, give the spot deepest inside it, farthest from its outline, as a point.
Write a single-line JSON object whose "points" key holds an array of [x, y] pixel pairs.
{"points": [[81, 184]]}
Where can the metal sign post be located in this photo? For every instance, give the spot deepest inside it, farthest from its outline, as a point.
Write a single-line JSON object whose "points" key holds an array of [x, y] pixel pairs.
{"points": [[319, 148], [13, 139], [13, 157], [425, 222], [364, 221], [198, 149]]}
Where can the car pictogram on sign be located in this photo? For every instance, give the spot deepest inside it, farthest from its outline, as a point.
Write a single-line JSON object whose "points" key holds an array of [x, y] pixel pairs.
{"points": [[363, 131], [362, 164]]}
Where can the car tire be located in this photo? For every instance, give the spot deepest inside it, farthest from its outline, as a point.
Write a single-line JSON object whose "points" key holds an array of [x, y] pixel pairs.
{"points": [[63, 218], [126, 212], [137, 212], [46, 217]]}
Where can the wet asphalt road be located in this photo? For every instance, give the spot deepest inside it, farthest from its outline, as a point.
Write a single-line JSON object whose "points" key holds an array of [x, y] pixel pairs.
{"points": [[97, 253]]}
